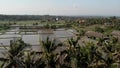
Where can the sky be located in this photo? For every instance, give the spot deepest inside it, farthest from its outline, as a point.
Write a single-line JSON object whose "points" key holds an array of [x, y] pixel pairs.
{"points": [[60, 7]]}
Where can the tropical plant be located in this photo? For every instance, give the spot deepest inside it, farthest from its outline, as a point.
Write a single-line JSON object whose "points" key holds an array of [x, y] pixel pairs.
{"points": [[14, 54], [51, 58], [33, 60]]}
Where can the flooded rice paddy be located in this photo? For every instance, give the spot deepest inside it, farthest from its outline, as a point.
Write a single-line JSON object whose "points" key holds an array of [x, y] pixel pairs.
{"points": [[33, 38]]}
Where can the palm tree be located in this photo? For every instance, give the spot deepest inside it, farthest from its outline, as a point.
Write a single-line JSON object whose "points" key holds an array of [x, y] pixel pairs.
{"points": [[92, 53], [88, 56], [72, 51], [79, 56], [14, 54], [82, 58], [48, 45], [108, 50], [51, 58], [34, 60]]}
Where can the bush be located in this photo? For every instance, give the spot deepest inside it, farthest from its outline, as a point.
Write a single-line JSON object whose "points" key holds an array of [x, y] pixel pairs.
{"points": [[98, 29]]}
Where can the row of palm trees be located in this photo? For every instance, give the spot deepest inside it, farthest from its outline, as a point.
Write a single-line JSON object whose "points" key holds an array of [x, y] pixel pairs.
{"points": [[104, 54]]}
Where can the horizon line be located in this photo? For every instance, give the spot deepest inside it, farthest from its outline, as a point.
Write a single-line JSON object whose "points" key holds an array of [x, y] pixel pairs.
{"points": [[61, 15]]}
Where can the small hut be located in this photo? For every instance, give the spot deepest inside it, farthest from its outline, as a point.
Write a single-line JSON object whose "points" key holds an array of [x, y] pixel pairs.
{"points": [[94, 34], [116, 34]]}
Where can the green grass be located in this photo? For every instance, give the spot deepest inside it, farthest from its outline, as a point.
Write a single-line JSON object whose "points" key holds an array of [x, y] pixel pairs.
{"points": [[31, 22]]}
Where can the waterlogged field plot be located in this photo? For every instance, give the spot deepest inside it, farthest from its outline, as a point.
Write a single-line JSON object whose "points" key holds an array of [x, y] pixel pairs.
{"points": [[34, 38]]}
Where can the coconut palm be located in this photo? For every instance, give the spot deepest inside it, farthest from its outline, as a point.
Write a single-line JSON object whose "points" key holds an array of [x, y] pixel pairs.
{"points": [[77, 56], [89, 55], [72, 51], [14, 53], [83, 58], [80, 56], [33, 60], [92, 53], [48, 45], [51, 58], [108, 50]]}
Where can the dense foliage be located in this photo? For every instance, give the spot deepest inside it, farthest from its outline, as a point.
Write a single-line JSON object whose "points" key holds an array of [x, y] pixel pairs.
{"points": [[101, 55]]}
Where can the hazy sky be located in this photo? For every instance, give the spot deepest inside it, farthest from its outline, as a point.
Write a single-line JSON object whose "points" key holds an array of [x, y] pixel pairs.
{"points": [[60, 7]]}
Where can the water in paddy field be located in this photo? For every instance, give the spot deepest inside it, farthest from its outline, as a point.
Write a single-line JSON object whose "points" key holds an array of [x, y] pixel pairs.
{"points": [[33, 38]]}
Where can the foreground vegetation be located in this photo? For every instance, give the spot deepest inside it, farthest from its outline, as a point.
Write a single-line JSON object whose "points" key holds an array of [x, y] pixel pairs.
{"points": [[100, 55]]}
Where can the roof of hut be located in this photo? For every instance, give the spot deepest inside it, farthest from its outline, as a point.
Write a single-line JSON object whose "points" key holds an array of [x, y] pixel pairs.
{"points": [[115, 33], [94, 34]]}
